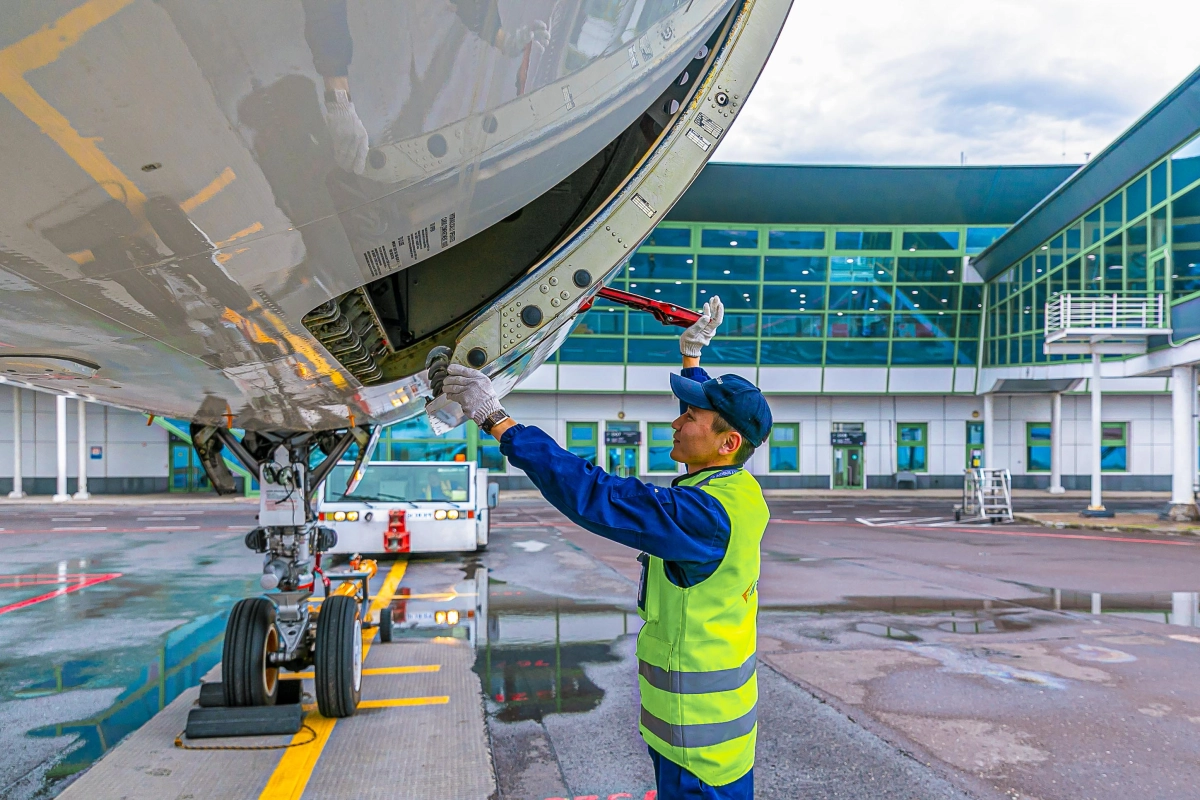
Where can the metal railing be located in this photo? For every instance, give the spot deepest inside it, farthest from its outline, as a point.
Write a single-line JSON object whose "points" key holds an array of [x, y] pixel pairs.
{"points": [[1095, 311]]}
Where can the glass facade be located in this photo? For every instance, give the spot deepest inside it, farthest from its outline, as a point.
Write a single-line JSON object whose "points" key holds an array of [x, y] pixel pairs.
{"points": [[1142, 240], [414, 440], [798, 295]]}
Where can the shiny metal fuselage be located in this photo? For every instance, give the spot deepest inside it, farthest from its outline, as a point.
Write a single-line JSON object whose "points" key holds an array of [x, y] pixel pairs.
{"points": [[172, 206]]}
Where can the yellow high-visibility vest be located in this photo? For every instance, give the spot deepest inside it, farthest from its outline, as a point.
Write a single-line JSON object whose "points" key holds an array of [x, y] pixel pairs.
{"points": [[696, 651]]}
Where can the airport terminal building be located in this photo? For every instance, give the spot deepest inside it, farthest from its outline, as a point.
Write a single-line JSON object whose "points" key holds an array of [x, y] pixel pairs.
{"points": [[904, 321]]}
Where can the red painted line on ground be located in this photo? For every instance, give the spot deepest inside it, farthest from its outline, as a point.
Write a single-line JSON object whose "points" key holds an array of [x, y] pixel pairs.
{"points": [[1030, 534], [89, 580]]}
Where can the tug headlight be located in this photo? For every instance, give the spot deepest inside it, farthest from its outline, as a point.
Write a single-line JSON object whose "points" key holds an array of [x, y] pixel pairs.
{"points": [[352, 516], [339, 516], [452, 514], [439, 514], [452, 617]]}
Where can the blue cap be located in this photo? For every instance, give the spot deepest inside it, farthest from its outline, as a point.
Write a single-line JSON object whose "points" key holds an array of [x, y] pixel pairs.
{"points": [[733, 397]]}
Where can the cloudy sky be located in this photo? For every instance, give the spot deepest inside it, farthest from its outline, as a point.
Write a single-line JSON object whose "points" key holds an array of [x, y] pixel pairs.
{"points": [[920, 81]]}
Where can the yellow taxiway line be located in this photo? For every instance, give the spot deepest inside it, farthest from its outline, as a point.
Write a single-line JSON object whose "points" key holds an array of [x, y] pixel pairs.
{"points": [[295, 676], [397, 702], [291, 774]]}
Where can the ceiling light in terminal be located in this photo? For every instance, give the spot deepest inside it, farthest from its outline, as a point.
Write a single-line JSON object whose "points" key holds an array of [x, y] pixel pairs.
{"points": [[854, 291], [733, 244], [689, 261], [679, 283], [726, 272], [658, 291], [794, 291]]}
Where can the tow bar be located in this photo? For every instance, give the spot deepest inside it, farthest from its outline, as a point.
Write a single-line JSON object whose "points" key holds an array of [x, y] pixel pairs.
{"points": [[666, 313]]}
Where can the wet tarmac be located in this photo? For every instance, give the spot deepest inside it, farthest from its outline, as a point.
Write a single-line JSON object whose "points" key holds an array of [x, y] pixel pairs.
{"points": [[897, 661]]}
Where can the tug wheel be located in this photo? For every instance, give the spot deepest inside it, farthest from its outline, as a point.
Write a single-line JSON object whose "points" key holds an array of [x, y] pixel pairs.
{"points": [[385, 624], [338, 658], [246, 675]]}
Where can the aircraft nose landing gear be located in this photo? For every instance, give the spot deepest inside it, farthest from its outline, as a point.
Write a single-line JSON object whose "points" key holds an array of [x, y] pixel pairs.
{"points": [[285, 629]]}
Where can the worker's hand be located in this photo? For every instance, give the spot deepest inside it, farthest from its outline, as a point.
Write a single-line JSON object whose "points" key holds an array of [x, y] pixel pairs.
{"points": [[348, 133], [516, 41], [695, 338], [472, 390]]}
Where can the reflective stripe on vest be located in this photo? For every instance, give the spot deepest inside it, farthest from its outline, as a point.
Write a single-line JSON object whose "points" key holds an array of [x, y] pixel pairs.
{"points": [[705, 734], [719, 680]]}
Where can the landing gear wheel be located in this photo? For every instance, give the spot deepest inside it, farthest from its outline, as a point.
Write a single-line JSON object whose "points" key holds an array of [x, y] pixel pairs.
{"points": [[338, 659], [385, 624], [246, 673]]}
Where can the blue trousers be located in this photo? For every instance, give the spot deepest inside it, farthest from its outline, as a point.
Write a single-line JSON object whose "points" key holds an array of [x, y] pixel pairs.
{"points": [[676, 783]]}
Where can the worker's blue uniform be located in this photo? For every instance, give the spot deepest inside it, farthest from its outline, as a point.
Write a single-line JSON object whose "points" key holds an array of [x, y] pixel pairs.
{"points": [[682, 525]]}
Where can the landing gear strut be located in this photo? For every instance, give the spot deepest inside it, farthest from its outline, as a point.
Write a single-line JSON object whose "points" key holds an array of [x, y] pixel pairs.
{"points": [[282, 629]]}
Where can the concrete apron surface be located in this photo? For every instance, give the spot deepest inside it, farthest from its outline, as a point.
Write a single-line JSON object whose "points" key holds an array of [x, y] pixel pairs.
{"points": [[1028, 703]]}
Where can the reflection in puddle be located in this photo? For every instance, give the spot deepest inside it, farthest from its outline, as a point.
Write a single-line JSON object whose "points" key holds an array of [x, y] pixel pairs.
{"points": [[997, 616], [185, 654], [531, 661], [886, 631]]}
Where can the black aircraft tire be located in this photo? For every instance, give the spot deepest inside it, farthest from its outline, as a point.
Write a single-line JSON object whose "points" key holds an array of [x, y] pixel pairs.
{"points": [[246, 676], [337, 664], [385, 624]]}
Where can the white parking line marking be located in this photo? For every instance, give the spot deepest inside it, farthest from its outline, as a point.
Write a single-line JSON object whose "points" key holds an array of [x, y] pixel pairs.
{"points": [[826, 519], [70, 519], [79, 528], [158, 519], [171, 528]]}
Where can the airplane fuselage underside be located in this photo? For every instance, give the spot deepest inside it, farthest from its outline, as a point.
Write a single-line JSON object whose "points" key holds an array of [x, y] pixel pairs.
{"points": [[195, 226]]}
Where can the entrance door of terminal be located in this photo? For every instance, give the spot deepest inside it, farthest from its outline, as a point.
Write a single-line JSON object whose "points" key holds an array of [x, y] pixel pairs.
{"points": [[623, 462], [186, 473], [847, 467]]}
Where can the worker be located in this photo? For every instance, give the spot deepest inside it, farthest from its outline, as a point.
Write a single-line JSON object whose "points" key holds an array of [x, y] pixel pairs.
{"points": [[700, 542]]}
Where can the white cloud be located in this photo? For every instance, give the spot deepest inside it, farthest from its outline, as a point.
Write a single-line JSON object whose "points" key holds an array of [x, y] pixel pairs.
{"points": [[919, 81]]}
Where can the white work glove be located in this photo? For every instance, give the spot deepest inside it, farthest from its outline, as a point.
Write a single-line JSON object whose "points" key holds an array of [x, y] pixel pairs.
{"points": [[516, 41], [472, 390], [695, 338], [348, 133]]}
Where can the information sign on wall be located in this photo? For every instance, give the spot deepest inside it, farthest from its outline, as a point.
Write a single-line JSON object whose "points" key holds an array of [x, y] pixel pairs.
{"points": [[848, 438], [97, 453], [622, 437]]}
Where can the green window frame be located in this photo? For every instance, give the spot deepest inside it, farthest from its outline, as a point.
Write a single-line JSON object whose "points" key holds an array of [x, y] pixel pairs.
{"points": [[784, 447], [660, 441], [1114, 447], [1037, 446], [912, 446], [582, 440]]}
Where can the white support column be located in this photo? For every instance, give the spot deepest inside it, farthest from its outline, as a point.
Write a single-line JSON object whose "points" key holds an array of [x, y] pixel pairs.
{"points": [[1056, 486], [81, 492], [1183, 444], [1096, 506], [989, 430], [18, 490], [60, 440]]}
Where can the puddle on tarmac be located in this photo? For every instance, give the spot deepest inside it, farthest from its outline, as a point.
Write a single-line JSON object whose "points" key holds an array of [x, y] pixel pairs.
{"points": [[531, 648], [886, 631], [531, 661], [146, 671]]}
